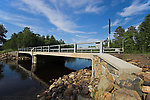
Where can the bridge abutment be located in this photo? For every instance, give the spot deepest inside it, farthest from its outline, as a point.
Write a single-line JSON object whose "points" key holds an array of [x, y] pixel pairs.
{"points": [[34, 59]]}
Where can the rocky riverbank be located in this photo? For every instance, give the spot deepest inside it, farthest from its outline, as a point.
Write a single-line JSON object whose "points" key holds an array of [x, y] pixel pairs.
{"points": [[80, 86], [74, 86], [12, 56]]}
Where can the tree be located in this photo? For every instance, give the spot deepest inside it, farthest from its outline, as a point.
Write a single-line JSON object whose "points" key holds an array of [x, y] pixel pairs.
{"points": [[129, 42], [118, 35], [3, 31], [27, 38], [144, 34], [53, 41]]}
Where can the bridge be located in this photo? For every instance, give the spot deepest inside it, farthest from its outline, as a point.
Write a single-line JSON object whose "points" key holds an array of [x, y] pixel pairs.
{"points": [[95, 51]]}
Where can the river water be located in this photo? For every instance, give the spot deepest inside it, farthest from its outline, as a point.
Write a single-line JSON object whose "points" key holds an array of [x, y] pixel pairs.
{"points": [[25, 81]]}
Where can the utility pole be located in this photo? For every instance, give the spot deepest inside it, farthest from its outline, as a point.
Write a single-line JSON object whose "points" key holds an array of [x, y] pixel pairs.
{"points": [[109, 34]]}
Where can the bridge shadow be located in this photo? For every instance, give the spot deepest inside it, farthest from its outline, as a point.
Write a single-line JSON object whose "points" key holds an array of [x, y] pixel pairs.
{"points": [[48, 67]]}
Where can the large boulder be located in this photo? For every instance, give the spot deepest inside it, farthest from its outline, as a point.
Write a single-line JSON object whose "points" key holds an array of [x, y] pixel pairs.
{"points": [[146, 89], [125, 94], [105, 84], [147, 77]]}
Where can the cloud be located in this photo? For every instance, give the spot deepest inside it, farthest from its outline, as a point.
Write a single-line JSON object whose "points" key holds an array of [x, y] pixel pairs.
{"points": [[91, 7], [19, 20], [81, 3], [55, 16], [135, 8], [115, 23]]}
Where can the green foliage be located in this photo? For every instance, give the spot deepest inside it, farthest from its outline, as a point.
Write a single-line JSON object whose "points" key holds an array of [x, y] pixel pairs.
{"points": [[27, 38], [4, 51], [3, 31], [133, 41], [144, 34], [129, 43], [118, 35]]}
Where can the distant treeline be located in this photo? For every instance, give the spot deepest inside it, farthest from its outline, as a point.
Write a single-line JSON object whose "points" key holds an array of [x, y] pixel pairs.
{"points": [[133, 40], [27, 38]]}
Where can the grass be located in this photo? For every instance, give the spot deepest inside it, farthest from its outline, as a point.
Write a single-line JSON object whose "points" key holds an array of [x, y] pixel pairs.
{"points": [[7, 50]]}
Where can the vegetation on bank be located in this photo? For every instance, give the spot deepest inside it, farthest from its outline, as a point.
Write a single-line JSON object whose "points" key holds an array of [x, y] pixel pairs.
{"points": [[134, 40], [27, 38], [7, 50]]}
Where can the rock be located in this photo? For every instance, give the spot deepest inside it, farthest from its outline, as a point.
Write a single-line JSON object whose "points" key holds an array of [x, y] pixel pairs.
{"points": [[128, 60], [38, 96], [131, 82], [68, 91], [125, 94], [85, 91], [146, 89], [147, 77], [105, 84], [60, 81], [144, 69], [51, 86], [71, 75], [148, 97], [107, 96], [83, 98], [90, 88], [110, 77], [42, 98]]}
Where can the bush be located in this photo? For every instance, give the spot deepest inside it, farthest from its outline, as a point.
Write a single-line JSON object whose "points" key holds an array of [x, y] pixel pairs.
{"points": [[7, 50]]}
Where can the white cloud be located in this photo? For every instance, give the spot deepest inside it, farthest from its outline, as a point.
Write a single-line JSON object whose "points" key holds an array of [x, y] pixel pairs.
{"points": [[56, 17], [82, 36], [93, 9], [19, 20], [135, 8], [81, 3], [90, 7], [13, 17], [115, 23]]}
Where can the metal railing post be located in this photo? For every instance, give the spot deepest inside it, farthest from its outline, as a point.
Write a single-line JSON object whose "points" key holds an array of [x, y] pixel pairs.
{"points": [[59, 48], [75, 48], [48, 48], [41, 49], [101, 47]]}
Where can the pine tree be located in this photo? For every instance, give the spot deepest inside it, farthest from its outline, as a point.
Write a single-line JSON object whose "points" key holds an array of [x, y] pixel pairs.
{"points": [[118, 35], [3, 31], [144, 34]]}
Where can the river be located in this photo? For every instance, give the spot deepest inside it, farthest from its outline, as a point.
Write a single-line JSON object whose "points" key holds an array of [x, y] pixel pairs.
{"points": [[24, 81]]}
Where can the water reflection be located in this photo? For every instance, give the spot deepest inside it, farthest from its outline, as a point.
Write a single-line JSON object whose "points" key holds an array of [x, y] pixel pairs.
{"points": [[20, 72], [16, 82], [1, 71], [21, 78], [78, 63]]}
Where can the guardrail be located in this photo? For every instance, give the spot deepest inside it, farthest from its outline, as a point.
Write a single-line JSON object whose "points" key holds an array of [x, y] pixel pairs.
{"points": [[74, 48]]}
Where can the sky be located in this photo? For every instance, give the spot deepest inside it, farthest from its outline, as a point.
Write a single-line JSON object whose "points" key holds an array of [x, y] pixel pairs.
{"points": [[74, 21]]}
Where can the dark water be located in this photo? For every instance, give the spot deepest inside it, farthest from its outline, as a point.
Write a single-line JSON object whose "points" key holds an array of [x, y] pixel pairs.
{"points": [[24, 84]]}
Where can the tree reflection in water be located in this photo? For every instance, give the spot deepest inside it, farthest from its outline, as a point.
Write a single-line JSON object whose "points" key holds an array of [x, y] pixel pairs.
{"points": [[1, 71], [20, 72]]}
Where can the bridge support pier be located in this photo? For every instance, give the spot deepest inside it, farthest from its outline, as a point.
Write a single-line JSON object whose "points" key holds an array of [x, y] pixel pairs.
{"points": [[34, 59]]}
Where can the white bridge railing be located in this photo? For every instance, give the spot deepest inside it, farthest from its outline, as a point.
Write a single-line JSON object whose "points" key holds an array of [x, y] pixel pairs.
{"points": [[74, 48]]}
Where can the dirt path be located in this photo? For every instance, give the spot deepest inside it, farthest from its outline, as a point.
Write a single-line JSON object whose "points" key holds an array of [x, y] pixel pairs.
{"points": [[140, 60]]}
